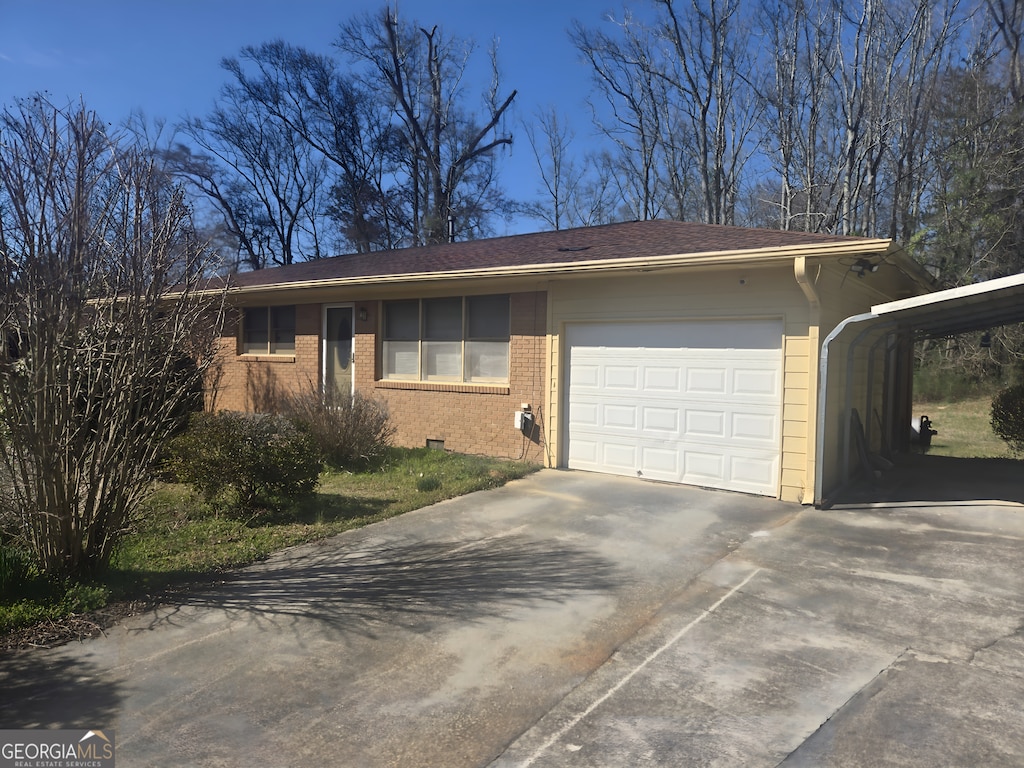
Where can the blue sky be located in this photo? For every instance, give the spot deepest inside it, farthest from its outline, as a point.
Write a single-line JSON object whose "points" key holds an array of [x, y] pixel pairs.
{"points": [[163, 57]]}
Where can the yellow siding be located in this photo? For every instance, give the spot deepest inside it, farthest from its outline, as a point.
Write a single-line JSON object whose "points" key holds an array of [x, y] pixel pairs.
{"points": [[798, 347], [794, 446], [793, 396], [792, 484], [794, 377], [798, 363], [793, 427]]}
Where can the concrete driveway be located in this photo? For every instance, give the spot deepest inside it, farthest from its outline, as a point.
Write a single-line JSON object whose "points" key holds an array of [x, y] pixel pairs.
{"points": [[572, 619]]}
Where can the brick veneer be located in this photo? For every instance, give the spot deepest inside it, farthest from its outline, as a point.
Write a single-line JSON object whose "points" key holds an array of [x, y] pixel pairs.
{"points": [[257, 382], [468, 418]]}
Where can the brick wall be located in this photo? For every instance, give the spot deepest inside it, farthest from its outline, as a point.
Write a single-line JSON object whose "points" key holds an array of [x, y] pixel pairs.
{"points": [[468, 418], [257, 382]]}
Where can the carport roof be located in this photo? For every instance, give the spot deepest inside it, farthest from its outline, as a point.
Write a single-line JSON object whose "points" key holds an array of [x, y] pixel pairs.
{"points": [[976, 307]]}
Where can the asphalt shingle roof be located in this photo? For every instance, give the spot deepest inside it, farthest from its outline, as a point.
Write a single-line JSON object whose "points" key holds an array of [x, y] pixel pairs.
{"points": [[628, 240]]}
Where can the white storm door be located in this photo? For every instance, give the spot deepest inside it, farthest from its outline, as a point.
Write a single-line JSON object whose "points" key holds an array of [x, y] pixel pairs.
{"points": [[338, 348]]}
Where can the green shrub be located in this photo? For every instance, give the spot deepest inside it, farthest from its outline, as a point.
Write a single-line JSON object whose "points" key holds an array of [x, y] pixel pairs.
{"points": [[28, 596], [427, 484], [77, 597], [351, 432], [44, 599], [250, 460], [935, 383], [1008, 417]]}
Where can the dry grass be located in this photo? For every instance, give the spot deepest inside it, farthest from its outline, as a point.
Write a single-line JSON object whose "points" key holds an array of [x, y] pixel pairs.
{"points": [[964, 429]]}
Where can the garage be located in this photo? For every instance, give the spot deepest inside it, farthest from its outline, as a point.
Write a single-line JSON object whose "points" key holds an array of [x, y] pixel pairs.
{"points": [[694, 401]]}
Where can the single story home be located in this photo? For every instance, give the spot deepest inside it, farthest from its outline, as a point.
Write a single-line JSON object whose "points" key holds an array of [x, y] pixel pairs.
{"points": [[673, 351]]}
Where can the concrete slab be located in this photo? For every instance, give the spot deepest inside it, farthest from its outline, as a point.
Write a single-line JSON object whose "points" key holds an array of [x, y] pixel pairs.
{"points": [[805, 646], [436, 638], [924, 711], [572, 619], [928, 478]]}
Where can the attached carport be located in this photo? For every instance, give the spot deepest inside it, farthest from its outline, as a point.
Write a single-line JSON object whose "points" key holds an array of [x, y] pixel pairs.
{"points": [[866, 372]]}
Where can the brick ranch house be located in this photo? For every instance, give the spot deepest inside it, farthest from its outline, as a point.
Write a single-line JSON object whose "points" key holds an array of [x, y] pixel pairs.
{"points": [[667, 350]]}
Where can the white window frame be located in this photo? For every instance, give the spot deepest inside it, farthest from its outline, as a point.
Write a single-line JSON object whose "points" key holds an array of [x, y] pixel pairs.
{"points": [[420, 345]]}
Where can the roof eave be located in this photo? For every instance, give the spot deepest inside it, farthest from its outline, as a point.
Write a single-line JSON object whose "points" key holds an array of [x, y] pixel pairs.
{"points": [[898, 256], [596, 266]]}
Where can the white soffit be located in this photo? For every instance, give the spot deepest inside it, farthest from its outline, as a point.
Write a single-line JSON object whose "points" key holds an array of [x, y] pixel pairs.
{"points": [[974, 307]]}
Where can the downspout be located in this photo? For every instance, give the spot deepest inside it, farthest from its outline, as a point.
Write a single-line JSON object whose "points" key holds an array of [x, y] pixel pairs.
{"points": [[813, 334]]}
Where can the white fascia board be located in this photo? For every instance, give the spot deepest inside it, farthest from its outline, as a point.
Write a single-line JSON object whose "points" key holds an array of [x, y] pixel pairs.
{"points": [[964, 292], [706, 259]]}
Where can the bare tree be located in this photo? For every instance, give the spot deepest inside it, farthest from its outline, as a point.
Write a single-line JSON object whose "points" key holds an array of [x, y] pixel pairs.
{"points": [[265, 183], [447, 155], [795, 114], [908, 174], [681, 93], [874, 40], [850, 109], [340, 122], [577, 192], [98, 365], [561, 178], [1008, 16], [623, 70], [712, 78]]}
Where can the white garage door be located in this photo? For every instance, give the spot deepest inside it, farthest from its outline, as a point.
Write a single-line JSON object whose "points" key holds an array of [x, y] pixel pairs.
{"points": [[695, 402]]}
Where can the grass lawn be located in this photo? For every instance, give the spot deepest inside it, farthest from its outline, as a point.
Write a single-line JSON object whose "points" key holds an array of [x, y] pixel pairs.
{"points": [[964, 429], [178, 539]]}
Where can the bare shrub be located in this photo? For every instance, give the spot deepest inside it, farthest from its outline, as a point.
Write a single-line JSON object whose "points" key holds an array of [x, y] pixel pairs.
{"points": [[99, 363], [351, 432]]}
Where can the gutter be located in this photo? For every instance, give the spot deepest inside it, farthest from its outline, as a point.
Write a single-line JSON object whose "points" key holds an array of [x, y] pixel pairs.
{"points": [[594, 266]]}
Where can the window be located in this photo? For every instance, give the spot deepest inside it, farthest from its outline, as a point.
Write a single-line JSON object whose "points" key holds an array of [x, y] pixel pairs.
{"points": [[268, 331], [449, 339]]}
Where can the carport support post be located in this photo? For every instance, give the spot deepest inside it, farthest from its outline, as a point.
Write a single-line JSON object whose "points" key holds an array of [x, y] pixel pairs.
{"points": [[902, 405], [895, 393]]}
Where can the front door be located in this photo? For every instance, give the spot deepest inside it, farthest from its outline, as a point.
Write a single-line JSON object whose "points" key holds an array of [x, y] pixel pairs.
{"points": [[338, 349]]}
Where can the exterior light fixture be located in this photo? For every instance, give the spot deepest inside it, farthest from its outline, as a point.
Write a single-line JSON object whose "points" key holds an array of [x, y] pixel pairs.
{"points": [[863, 265], [363, 314]]}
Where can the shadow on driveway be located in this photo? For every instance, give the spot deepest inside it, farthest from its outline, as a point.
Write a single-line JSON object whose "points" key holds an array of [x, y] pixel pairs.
{"points": [[55, 692], [929, 479], [413, 586]]}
